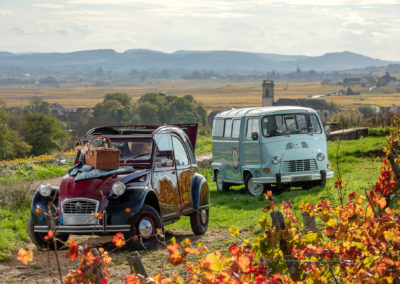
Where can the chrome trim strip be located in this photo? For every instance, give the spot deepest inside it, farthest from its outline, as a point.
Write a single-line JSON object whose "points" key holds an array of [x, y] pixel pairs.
{"points": [[83, 229], [293, 178]]}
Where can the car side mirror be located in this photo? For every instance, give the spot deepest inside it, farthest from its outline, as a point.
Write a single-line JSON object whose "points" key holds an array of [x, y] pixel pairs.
{"points": [[327, 129], [167, 163], [254, 136]]}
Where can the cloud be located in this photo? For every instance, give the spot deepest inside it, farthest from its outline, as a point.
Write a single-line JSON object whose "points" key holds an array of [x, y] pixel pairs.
{"points": [[48, 5], [6, 13]]}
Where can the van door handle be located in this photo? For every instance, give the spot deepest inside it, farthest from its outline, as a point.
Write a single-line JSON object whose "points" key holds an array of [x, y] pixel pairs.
{"points": [[173, 172]]}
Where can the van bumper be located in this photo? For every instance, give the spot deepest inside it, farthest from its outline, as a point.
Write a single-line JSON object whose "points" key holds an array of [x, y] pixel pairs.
{"points": [[293, 178]]}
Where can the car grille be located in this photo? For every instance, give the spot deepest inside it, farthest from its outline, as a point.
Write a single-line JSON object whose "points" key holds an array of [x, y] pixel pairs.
{"points": [[293, 166], [80, 206]]}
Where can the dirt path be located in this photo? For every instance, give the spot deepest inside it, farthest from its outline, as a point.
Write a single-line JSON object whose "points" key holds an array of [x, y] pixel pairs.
{"points": [[44, 268]]}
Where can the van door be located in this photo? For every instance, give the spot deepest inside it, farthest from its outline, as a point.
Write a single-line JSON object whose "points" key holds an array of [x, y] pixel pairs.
{"points": [[251, 152]]}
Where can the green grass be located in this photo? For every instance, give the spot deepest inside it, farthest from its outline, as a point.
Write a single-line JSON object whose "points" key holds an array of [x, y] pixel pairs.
{"points": [[358, 161], [29, 171], [203, 145], [12, 230]]}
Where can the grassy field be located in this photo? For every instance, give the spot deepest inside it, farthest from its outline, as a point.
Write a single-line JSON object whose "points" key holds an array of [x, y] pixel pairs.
{"points": [[213, 94], [358, 161]]}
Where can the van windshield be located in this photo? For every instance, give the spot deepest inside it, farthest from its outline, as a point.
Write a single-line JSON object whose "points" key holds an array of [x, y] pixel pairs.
{"points": [[289, 124]]}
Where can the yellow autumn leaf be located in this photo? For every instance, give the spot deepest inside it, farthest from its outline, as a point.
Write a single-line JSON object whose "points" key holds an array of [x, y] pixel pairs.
{"points": [[234, 230], [331, 223], [389, 236]]}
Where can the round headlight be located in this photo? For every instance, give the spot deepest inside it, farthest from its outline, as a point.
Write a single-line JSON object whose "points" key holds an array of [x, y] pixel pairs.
{"points": [[320, 156], [45, 189], [118, 188], [276, 160]]}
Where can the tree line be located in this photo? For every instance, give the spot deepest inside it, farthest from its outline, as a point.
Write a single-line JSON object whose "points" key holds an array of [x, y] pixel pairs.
{"points": [[33, 130]]}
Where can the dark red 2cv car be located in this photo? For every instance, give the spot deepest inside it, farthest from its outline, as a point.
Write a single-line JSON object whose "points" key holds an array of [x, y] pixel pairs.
{"points": [[157, 182]]}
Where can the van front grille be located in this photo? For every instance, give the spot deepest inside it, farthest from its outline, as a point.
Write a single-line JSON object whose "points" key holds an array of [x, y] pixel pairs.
{"points": [[82, 206], [293, 166]]}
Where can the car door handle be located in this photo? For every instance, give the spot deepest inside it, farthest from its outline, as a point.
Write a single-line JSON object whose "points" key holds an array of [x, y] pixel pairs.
{"points": [[173, 172]]}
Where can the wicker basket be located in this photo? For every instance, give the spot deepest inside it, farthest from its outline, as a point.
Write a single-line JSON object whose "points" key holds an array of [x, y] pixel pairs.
{"points": [[102, 158]]}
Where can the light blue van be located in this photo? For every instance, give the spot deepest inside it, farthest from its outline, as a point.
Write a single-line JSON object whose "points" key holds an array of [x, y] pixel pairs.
{"points": [[269, 147]]}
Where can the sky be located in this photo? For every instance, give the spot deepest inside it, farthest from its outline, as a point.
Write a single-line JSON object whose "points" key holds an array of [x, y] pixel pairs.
{"points": [[297, 27]]}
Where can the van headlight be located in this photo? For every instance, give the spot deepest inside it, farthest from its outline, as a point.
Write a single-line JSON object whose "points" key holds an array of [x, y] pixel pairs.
{"points": [[45, 189], [276, 160], [320, 156], [118, 188]]}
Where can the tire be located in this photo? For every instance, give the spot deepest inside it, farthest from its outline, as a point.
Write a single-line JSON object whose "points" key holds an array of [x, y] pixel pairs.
{"points": [[143, 234], [252, 188], [38, 238], [221, 185], [199, 221]]}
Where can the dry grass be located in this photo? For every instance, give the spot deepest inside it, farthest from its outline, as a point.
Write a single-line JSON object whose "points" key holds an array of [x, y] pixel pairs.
{"points": [[213, 94]]}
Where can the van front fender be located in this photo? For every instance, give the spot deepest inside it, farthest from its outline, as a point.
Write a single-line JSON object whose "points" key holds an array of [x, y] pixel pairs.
{"points": [[200, 192]]}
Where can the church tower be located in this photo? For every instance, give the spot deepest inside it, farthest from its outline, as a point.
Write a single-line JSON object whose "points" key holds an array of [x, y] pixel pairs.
{"points": [[267, 93]]}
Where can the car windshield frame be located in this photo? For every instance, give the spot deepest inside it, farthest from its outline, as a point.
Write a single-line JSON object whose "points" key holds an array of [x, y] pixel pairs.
{"points": [[290, 124]]}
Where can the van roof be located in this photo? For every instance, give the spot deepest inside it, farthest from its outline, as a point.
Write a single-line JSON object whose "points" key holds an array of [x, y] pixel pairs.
{"points": [[258, 111]]}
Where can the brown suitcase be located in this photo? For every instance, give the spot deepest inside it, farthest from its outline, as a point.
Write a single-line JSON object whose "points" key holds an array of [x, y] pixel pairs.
{"points": [[102, 158]]}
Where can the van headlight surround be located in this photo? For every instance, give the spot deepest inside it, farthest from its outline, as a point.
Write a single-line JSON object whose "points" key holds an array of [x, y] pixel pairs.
{"points": [[118, 188], [276, 160], [45, 189], [320, 156]]}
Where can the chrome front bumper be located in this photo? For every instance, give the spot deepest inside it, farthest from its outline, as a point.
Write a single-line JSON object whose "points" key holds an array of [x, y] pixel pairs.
{"points": [[293, 178], [83, 228]]}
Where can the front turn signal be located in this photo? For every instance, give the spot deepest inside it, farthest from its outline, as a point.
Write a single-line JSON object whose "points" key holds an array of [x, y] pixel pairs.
{"points": [[328, 166], [128, 211], [38, 211]]}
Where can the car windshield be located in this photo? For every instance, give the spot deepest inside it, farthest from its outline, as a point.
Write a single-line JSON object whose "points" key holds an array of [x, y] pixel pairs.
{"points": [[289, 124], [133, 149]]}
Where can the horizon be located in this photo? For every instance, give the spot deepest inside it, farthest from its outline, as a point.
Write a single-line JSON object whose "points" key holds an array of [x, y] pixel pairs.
{"points": [[172, 52], [288, 27]]}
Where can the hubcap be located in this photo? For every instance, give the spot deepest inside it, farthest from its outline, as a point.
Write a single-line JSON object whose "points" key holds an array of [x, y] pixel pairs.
{"points": [[145, 228], [255, 189], [203, 216]]}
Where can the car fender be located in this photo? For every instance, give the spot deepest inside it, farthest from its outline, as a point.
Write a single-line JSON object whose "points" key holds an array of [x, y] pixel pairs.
{"points": [[42, 203], [200, 192], [134, 199]]}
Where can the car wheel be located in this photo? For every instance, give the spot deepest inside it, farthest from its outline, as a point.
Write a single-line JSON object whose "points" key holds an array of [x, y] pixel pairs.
{"points": [[254, 189], [199, 221], [38, 238], [144, 234], [221, 185]]}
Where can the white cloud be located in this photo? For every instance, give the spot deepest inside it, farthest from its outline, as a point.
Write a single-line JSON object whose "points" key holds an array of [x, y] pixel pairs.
{"points": [[48, 5], [6, 13]]}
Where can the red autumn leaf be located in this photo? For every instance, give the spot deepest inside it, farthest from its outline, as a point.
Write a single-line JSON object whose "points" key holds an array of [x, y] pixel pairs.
{"points": [[119, 240], [270, 207], [73, 250]]}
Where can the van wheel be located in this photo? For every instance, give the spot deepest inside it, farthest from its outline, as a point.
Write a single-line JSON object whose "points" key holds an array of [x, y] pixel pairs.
{"points": [[221, 185], [144, 233], [199, 221], [254, 189]]}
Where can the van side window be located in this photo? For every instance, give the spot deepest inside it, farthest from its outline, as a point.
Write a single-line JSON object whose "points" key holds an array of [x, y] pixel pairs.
{"points": [[252, 126], [236, 128], [315, 124], [228, 128], [218, 127]]}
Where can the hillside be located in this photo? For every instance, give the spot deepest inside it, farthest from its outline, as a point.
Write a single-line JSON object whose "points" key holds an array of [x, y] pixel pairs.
{"points": [[217, 61]]}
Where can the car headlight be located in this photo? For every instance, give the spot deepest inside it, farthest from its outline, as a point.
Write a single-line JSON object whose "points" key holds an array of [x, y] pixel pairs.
{"points": [[276, 160], [320, 156], [118, 188], [45, 189]]}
